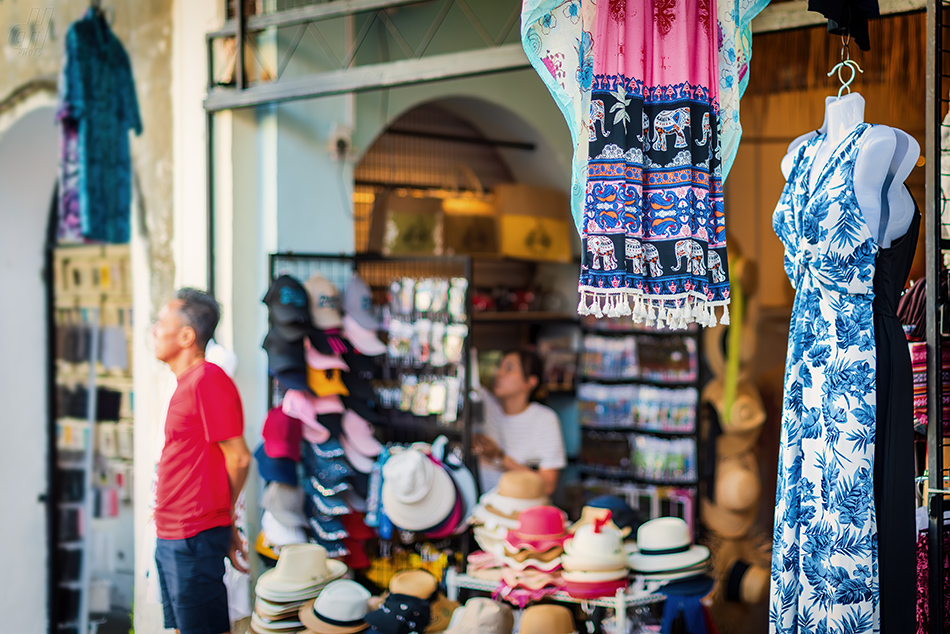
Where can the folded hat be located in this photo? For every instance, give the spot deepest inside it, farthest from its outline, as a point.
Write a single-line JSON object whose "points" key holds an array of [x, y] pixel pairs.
{"points": [[666, 546], [286, 300], [482, 616], [417, 494], [326, 382], [282, 435], [285, 502], [275, 469], [340, 609], [358, 303], [319, 361], [360, 434], [364, 340], [325, 302]]}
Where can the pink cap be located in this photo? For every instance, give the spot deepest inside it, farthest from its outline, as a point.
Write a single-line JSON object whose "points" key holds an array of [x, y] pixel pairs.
{"points": [[306, 407], [282, 435], [365, 341], [359, 433], [319, 361], [363, 464], [315, 432]]}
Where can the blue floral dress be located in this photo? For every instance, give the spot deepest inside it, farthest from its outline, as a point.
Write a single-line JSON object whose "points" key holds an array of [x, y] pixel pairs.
{"points": [[824, 555]]}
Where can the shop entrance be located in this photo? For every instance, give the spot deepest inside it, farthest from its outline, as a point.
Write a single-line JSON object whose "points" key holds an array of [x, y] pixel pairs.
{"points": [[27, 175]]}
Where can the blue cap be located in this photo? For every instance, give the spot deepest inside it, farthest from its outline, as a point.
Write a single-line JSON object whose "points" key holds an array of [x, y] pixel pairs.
{"points": [[282, 470]]}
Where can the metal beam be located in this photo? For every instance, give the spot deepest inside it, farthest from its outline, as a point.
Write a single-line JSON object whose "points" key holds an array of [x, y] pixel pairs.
{"points": [[372, 77], [312, 13], [792, 15]]}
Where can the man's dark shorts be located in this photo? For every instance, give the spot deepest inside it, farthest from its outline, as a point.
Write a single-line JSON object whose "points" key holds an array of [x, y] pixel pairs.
{"points": [[191, 573]]}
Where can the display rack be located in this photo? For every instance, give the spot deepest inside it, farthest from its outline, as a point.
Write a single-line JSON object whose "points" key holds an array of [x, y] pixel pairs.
{"points": [[92, 409], [379, 272], [638, 398], [639, 594]]}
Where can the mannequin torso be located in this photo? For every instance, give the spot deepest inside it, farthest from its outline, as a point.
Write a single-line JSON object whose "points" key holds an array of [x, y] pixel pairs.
{"points": [[885, 158]]}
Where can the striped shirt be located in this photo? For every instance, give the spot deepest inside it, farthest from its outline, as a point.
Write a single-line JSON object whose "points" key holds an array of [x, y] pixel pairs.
{"points": [[532, 438]]}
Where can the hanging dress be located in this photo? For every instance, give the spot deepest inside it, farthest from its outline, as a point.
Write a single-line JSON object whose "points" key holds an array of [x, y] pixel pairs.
{"points": [[639, 90], [824, 551]]}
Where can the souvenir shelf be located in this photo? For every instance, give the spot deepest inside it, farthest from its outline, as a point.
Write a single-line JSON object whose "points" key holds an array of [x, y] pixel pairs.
{"points": [[638, 398], [426, 323], [91, 489]]}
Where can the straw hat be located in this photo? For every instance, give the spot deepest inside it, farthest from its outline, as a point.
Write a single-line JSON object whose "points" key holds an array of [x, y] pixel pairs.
{"points": [[516, 491], [441, 610], [741, 432], [747, 583], [482, 616], [589, 514], [547, 619], [726, 523], [416, 583], [666, 546], [737, 483]]}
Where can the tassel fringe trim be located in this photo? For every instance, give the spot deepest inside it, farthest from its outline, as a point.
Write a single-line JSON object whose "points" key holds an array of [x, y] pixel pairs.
{"points": [[653, 311]]}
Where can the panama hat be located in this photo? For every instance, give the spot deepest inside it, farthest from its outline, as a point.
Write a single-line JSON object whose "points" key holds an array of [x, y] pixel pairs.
{"points": [[302, 569], [340, 608], [482, 616], [726, 523], [547, 619], [596, 547], [666, 546], [417, 494]]}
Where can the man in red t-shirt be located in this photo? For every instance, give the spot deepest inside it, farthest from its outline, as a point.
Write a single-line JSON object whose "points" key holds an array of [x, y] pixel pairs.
{"points": [[201, 472]]}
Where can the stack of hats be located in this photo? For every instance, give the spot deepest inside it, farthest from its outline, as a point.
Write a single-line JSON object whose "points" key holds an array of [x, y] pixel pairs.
{"points": [[482, 616], [419, 495], [283, 522], [666, 551], [594, 561], [301, 573], [498, 510], [622, 516], [326, 410], [339, 609], [414, 604], [531, 566]]}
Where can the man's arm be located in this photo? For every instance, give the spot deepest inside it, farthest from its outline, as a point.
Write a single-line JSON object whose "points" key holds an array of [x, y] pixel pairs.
{"points": [[237, 461]]}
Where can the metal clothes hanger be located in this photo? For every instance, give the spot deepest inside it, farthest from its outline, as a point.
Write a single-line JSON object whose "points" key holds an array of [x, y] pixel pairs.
{"points": [[846, 62]]}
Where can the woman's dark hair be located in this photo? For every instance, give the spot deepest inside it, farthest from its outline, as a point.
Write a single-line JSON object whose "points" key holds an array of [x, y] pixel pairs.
{"points": [[201, 312], [531, 365]]}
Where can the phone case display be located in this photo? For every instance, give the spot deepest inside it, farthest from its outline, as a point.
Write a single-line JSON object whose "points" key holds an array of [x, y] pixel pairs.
{"points": [[637, 407], [94, 431], [427, 334]]}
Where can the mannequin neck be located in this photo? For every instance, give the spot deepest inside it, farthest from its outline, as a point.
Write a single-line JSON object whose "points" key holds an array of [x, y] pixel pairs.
{"points": [[842, 115]]}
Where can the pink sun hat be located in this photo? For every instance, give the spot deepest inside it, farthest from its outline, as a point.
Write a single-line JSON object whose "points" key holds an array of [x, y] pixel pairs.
{"points": [[320, 361], [359, 433], [539, 528]]}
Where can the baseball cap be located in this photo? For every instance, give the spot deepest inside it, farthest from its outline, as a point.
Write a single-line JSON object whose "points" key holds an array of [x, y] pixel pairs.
{"points": [[358, 303], [356, 386], [326, 382], [275, 469], [283, 355], [319, 361], [287, 301], [324, 302], [366, 408], [282, 435], [359, 433], [363, 339]]}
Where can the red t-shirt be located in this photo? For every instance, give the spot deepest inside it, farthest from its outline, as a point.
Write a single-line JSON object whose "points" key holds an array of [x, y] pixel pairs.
{"points": [[193, 492]]}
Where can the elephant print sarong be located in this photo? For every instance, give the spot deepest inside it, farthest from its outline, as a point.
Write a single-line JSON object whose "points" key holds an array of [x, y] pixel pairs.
{"points": [[647, 130]]}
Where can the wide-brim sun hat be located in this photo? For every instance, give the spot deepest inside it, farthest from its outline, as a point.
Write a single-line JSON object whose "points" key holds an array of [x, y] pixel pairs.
{"points": [[417, 494], [539, 528], [726, 523], [665, 546]]}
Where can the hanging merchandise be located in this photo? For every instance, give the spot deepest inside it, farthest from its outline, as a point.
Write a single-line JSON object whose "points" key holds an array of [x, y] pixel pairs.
{"points": [[846, 454], [652, 219], [97, 108]]}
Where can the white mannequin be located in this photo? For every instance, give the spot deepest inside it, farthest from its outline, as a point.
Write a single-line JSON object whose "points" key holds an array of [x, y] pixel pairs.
{"points": [[885, 158]]}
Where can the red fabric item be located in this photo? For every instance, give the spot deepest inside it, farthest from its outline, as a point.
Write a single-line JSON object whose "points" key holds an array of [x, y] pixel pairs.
{"points": [[710, 624], [282, 435], [193, 492], [356, 527], [357, 559]]}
